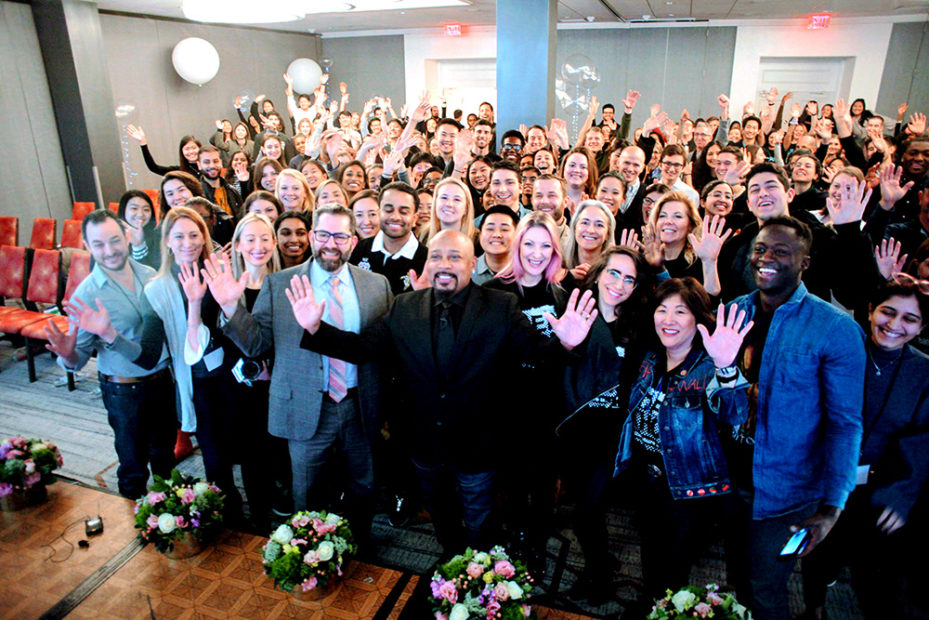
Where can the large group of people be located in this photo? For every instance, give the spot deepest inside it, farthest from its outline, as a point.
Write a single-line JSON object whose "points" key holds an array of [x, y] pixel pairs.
{"points": [[718, 319]]}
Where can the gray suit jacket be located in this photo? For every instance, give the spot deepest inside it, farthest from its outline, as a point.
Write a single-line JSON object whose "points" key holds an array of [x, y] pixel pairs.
{"points": [[296, 379]]}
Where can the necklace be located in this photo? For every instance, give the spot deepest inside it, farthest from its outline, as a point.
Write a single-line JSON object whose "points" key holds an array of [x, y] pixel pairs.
{"points": [[877, 369]]}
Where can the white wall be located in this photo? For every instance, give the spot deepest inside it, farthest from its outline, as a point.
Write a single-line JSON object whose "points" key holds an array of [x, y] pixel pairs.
{"points": [[420, 48], [865, 41]]}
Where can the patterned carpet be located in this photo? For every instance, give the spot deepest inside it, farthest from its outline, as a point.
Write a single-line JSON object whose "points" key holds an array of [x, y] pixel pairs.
{"points": [[77, 422]]}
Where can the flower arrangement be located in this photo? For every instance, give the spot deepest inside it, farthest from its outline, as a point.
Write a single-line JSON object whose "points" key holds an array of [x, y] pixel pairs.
{"points": [[25, 463], [308, 551], [178, 507], [696, 602], [481, 585]]}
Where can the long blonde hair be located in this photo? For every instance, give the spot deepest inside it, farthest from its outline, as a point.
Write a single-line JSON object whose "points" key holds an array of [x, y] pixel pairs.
{"points": [[309, 199], [238, 263], [467, 220], [693, 216], [167, 223]]}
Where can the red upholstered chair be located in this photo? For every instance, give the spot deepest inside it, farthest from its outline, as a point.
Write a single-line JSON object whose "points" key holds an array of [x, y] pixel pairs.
{"points": [[71, 235], [153, 194], [43, 234], [9, 230], [114, 207], [81, 209], [13, 274], [34, 333]]}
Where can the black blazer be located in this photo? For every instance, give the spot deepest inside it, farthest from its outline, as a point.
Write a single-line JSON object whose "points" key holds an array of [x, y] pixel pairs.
{"points": [[455, 418]]}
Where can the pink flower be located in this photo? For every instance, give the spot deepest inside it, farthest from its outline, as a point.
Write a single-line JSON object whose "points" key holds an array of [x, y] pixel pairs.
{"points": [[32, 479], [297, 541], [5, 489], [309, 584], [19, 442], [714, 599], [155, 497], [311, 557], [180, 521], [501, 592], [303, 521], [449, 592], [323, 528], [152, 521], [492, 608], [14, 454], [188, 496], [703, 609], [504, 568], [440, 616], [527, 610], [135, 509], [474, 570]]}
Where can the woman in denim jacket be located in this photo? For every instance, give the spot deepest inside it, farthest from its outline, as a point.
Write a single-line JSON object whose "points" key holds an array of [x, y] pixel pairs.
{"points": [[686, 389]]}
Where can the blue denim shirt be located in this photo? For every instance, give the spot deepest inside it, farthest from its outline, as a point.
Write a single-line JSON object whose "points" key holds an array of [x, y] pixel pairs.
{"points": [[689, 424], [810, 398]]}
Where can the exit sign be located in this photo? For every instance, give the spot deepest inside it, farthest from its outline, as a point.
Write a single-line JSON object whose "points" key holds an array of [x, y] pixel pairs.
{"points": [[453, 30], [818, 22]]}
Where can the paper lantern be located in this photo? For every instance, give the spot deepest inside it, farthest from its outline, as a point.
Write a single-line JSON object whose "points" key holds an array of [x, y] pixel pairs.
{"points": [[195, 60]]}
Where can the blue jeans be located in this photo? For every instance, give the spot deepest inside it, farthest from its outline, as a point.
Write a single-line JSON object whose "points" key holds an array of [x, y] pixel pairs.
{"points": [[453, 496], [144, 422]]}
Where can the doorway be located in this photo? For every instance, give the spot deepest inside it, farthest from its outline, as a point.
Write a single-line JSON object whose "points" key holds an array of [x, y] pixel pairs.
{"points": [[819, 79]]}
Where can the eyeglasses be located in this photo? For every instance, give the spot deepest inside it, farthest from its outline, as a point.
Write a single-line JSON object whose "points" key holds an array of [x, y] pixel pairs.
{"points": [[322, 236], [672, 165], [627, 280], [906, 279], [512, 147]]}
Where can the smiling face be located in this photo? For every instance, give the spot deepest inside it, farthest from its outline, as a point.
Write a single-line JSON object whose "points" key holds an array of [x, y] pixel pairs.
{"points": [[895, 322], [176, 193], [548, 196], [107, 244], [397, 213], [330, 194], [353, 180], [630, 164], [239, 162], [291, 193], [767, 198], [592, 229], [719, 201], [190, 151], [185, 241], [673, 222], [138, 212], [594, 139], [675, 324], [211, 164], [575, 170], [504, 185], [292, 239], [497, 234], [256, 243], [482, 136], [314, 176], [367, 219], [268, 178], [778, 259], [374, 176], [671, 168], [615, 284], [544, 161], [535, 251], [272, 149], [450, 262], [450, 206], [535, 140], [842, 183], [332, 254], [610, 191], [479, 175], [265, 208], [240, 132], [446, 135], [803, 170], [915, 159]]}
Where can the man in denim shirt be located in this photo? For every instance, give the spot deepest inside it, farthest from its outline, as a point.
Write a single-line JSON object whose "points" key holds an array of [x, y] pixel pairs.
{"points": [[794, 461]]}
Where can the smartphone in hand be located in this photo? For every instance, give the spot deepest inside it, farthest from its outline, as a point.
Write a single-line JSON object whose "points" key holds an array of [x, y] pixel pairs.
{"points": [[796, 545]]}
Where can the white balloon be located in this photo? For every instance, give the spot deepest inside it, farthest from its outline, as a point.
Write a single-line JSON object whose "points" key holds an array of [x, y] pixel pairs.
{"points": [[306, 74], [195, 60]]}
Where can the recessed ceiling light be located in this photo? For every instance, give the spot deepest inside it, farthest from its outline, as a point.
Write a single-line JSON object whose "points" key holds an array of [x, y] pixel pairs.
{"points": [[242, 11]]}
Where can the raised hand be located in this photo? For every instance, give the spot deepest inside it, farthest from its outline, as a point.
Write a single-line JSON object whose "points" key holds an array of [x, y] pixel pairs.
{"points": [[841, 110], [93, 320], [771, 95], [419, 282], [593, 106], [901, 111], [685, 115], [652, 247], [343, 88], [795, 110], [558, 133], [654, 122], [194, 288], [887, 256], [308, 313], [225, 289], [723, 101], [580, 272], [735, 174], [850, 207], [574, 324], [135, 235], [632, 97], [464, 142], [136, 134], [422, 110], [61, 344], [917, 124], [709, 244], [393, 162], [822, 129], [891, 190], [748, 109], [723, 346], [523, 129], [289, 80], [890, 521], [629, 238]]}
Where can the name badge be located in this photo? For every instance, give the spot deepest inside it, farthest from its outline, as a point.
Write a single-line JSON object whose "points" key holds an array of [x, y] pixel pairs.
{"points": [[862, 477], [213, 359]]}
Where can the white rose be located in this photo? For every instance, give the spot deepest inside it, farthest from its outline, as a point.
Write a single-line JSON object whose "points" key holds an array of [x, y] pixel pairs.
{"points": [[684, 600], [481, 558], [200, 488], [30, 467], [166, 522], [283, 535], [325, 551], [333, 519], [515, 591], [459, 612]]}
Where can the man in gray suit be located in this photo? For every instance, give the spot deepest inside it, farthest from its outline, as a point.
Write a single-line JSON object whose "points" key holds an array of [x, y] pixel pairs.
{"points": [[315, 401]]}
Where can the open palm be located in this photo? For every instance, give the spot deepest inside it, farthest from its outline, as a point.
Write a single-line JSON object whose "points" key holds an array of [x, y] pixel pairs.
{"points": [[308, 313], [724, 344]]}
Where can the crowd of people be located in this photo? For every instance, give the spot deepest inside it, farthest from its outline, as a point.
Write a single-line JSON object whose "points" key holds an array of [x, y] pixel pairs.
{"points": [[717, 319]]}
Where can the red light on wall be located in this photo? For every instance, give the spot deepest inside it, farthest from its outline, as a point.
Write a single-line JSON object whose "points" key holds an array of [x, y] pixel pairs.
{"points": [[818, 22], [453, 30]]}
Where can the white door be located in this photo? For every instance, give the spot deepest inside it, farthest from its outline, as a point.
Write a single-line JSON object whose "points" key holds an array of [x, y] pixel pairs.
{"points": [[808, 78], [466, 83]]}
